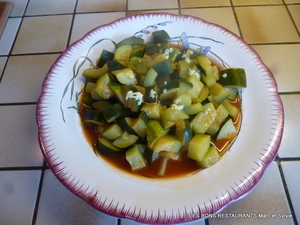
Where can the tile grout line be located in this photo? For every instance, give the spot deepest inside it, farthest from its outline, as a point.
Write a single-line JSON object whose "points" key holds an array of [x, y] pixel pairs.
{"points": [[292, 18], [236, 19], [286, 190], [38, 195]]}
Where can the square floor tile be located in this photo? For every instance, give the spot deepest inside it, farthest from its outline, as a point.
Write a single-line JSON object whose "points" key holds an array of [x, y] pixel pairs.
{"points": [[290, 141], [291, 1], [19, 7], [263, 200], [174, 11], [41, 38], [37, 7], [154, 4], [292, 178], [295, 11], [19, 145], [259, 26], [197, 3], [8, 36], [100, 6], [221, 16], [24, 85], [59, 206], [256, 2], [84, 23], [18, 192], [283, 61]]}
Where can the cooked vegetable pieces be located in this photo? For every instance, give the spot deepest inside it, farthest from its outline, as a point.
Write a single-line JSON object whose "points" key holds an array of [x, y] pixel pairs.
{"points": [[158, 100]]}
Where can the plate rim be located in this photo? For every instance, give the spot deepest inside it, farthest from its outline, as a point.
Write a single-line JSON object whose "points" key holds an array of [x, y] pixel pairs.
{"points": [[256, 178]]}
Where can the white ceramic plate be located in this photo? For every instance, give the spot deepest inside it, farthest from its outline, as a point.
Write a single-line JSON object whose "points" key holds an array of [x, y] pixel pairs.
{"points": [[159, 201]]}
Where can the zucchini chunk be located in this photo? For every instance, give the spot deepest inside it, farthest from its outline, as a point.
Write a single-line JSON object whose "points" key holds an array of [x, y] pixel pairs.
{"points": [[168, 143], [105, 147], [210, 158], [199, 146], [112, 112], [233, 78], [135, 158], [125, 140], [154, 131], [227, 131]]}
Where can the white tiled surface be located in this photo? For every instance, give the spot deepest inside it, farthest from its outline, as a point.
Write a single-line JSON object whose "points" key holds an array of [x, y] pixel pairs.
{"points": [[38, 31]]}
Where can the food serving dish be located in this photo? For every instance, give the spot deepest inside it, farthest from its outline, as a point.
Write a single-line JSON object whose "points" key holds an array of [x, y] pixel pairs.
{"points": [[159, 201]]}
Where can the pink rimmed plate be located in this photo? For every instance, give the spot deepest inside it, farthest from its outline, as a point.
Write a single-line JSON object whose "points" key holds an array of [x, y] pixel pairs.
{"points": [[159, 201]]}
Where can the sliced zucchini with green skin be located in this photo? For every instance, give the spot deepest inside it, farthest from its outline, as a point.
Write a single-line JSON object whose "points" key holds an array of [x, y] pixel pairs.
{"points": [[150, 155], [193, 109], [116, 88], [133, 98], [89, 87], [125, 140], [104, 57], [114, 65], [209, 79], [183, 131], [138, 65], [94, 118], [163, 68], [125, 76], [183, 68], [184, 86], [233, 111], [203, 94], [155, 48], [112, 132], [155, 130], [171, 115], [140, 127], [222, 114], [183, 99], [227, 131], [87, 101], [197, 86], [150, 78], [219, 93], [131, 41], [122, 53], [95, 73], [205, 64], [100, 105], [153, 110], [113, 112], [125, 123], [135, 158], [233, 78], [169, 89], [137, 51], [199, 146], [105, 147], [160, 36], [102, 87], [202, 121], [144, 117], [210, 158], [168, 143], [151, 94]]}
